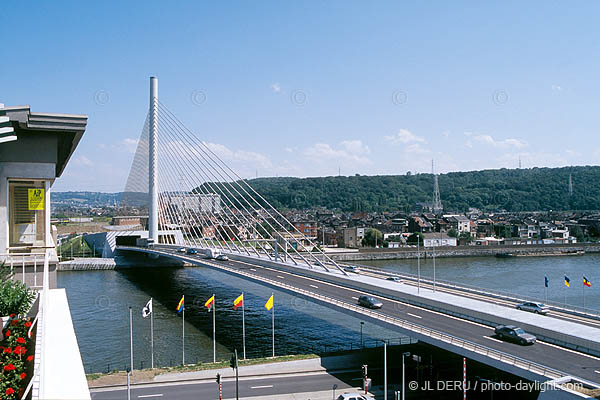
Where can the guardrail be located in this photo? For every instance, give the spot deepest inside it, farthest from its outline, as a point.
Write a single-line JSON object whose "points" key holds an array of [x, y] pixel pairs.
{"points": [[21, 262], [509, 359]]}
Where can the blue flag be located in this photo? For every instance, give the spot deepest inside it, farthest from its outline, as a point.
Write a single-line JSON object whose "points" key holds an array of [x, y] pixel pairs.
{"points": [[546, 281]]}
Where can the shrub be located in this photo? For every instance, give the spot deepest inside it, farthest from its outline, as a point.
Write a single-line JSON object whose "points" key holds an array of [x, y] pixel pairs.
{"points": [[15, 297]]}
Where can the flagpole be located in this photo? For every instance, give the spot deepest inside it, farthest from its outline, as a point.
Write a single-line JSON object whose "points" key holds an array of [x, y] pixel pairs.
{"points": [[273, 323], [243, 326], [183, 337], [131, 339], [214, 336], [583, 293], [152, 334]]}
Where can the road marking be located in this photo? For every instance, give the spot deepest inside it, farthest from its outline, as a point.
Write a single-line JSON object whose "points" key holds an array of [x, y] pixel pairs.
{"points": [[151, 395], [567, 349], [252, 269], [281, 277], [261, 387], [596, 371], [355, 298], [494, 339], [315, 286], [413, 315]]}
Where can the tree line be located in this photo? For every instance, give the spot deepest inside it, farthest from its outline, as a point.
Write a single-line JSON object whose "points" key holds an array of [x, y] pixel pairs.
{"points": [[534, 189]]}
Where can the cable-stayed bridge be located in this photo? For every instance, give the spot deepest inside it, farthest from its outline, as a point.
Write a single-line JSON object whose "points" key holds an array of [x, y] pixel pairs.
{"points": [[195, 200]]}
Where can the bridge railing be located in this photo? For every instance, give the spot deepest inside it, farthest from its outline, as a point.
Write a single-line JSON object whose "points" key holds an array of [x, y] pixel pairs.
{"points": [[404, 324]]}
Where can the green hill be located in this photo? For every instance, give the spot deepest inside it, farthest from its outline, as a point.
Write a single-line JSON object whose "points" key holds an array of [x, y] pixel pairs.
{"points": [[532, 189]]}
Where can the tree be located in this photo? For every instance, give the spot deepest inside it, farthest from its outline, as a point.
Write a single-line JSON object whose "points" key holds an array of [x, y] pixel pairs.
{"points": [[372, 237], [415, 237], [466, 236], [452, 233]]}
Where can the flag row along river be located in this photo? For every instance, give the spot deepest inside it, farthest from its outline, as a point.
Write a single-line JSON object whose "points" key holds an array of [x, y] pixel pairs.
{"points": [[100, 300]]}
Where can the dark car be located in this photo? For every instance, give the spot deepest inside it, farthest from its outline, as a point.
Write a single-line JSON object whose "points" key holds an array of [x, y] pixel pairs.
{"points": [[394, 278], [369, 302], [192, 251], [222, 257], [514, 334], [538, 308]]}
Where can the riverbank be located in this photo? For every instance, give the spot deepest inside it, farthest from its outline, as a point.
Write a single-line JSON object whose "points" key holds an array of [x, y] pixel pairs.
{"points": [[467, 251]]}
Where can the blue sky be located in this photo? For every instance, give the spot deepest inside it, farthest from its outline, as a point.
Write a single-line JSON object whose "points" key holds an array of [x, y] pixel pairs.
{"points": [[305, 88]]}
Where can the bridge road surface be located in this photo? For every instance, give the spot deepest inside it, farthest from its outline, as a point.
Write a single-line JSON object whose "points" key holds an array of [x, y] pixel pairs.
{"points": [[549, 355], [209, 389]]}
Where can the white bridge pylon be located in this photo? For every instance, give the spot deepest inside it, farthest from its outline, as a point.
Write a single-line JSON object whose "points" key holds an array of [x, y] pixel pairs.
{"points": [[198, 196]]}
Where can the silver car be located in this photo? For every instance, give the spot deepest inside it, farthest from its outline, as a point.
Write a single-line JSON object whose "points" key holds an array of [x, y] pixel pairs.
{"points": [[538, 308], [355, 396], [352, 268]]}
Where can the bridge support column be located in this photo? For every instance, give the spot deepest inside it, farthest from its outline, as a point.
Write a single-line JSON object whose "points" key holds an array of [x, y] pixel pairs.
{"points": [[153, 163]]}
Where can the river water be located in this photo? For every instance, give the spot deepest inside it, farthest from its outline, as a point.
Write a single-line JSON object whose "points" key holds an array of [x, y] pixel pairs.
{"points": [[100, 301]]}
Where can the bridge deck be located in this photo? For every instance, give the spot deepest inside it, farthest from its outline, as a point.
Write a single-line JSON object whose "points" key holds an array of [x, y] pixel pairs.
{"points": [[413, 318]]}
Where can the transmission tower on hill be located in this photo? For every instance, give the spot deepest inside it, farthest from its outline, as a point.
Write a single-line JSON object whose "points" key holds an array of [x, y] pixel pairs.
{"points": [[436, 206], [570, 185]]}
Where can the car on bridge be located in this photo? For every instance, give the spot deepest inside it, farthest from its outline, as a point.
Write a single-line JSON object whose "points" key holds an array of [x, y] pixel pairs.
{"points": [[538, 308], [369, 302], [182, 250], [352, 268], [222, 257], [394, 279], [191, 251], [514, 334], [355, 396]]}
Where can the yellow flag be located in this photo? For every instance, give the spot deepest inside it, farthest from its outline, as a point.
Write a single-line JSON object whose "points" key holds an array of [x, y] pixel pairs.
{"points": [[269, 304]]}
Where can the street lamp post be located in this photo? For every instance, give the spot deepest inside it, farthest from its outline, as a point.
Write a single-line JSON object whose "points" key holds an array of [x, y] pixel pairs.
{"points": [[385, 385], [406, 354], [361, 334]]}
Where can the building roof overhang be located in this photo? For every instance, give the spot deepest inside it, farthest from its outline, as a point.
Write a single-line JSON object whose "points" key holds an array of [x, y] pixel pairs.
{"points": [[69, 129]]}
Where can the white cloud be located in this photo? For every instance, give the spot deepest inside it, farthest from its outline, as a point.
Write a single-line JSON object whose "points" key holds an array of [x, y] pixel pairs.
{"points": [[349, 150], [446, 134], [556, 88], [416, 148], [489, 140], [83, 161], [275, 87], [404, 136]]}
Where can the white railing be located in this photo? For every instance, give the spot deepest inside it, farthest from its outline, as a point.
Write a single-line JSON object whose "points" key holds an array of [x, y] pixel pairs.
{"points": [[416, 328], [18, 264]]}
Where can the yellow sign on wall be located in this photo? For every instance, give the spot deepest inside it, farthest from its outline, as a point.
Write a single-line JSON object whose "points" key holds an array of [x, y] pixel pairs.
{"points": [[36, 199]]}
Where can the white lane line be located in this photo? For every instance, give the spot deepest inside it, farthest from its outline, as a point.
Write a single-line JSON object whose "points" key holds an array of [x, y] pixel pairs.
{"points": [[261, 387], [495, 340], [150, 395], [569, 350], [315, 286], [252, 269], [355, 298], [413, 315], [281, 277], [596, 371]]}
